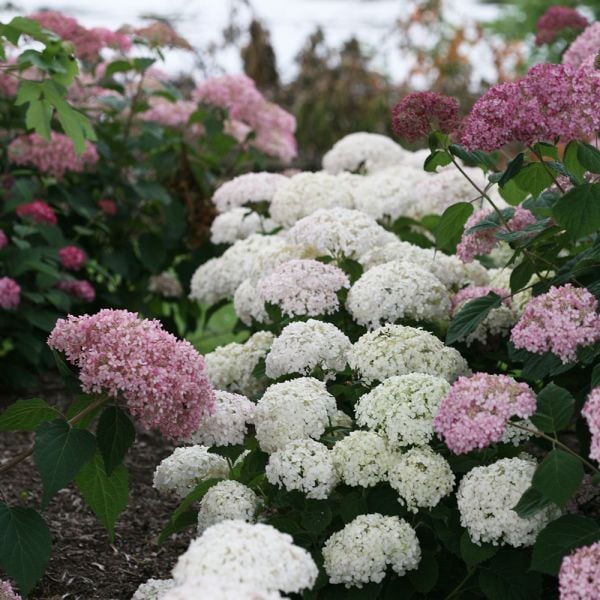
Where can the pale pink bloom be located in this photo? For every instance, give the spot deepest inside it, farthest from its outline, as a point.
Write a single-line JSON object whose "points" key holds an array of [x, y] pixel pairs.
{"points": [[108, 207], [560, 321], [10, 293], [477, 409], [79, 288], [477, 291], [556, 20], [586, 46], [579, 575], [162, 379], [37, 211], [591, 412], [3, 239], [171, 114], [71, 257], [7, 592]]}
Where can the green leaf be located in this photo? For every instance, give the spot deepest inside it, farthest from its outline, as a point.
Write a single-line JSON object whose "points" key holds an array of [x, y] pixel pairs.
{"points": [[595, 382], [555, 407], [589, 157], [25, 545], [578, 211], [507, 578], [559, 538], [512, 193], [26, 415], [474, 554], [425, 578], [186, 519], [520, 276], [81, 402], [117, 66], [530, 503], [571, 160], [153, 253], [316, 516], [513, 167], [534, 178], [558, 476], [476, 157], [105, 494], [451, 225], [438, 158], [545, 149], [115, 434], [353, 505], [59, 452], [470, 316]]}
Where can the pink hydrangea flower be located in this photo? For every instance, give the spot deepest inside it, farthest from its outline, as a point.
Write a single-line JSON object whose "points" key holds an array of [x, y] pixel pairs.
{"points": [[71, 257], [560, 321], [7, 592], [483, 241], [3, 239], [477, 291], [556, 20], [162, 379], [591, 412], [108, 207], [79, 288], [10, 293], [170, 114], [55, 157], [579, 575], [37, 211], [476, 410], [420, 113], [584, 48]]}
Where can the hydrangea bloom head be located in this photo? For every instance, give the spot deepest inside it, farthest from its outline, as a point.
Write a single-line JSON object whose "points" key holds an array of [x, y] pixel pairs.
{"points": [[579, 575], [10, 293], [591, 412], [79, 288], [224, 501], [555, 20], [37, 211], [583, 50], [107, 206], [162, 379], [72, 257], [250, 188]]}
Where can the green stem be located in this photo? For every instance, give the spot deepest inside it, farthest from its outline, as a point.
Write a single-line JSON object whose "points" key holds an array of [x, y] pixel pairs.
{"points": [[461, 584]]}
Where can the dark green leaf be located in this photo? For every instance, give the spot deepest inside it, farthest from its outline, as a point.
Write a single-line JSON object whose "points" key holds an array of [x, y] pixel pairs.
{"points": [[115, 434], [24, 545], [507, 578], [589, 157], [545, 149], [512, 193], [470, 316], [578, 211], [558, 476], [534, 178], [316, 516], [27, 415], [451, 225], [555, 407], [81, 402], [425, 578], [352, 505], [187, 518], [530, 503], [476, 157], [595, 382], [439, 158], [520, 276], [59, 452], [474, 554], [571, 160], [513, 167], [153, 253]]}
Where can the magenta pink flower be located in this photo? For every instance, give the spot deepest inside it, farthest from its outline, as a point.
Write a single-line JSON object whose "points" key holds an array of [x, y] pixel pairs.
{"points": [[162, 379], [37, 211], [3, 239], [7, 592], [483, 241], [79, 288], [560, 321], [583, 50], [420, 113], [476, 410], [71, 257], [10, 293], [108, 207], [558, 19], [579, 575], [477, 291], [55, 157], [591, 412]]}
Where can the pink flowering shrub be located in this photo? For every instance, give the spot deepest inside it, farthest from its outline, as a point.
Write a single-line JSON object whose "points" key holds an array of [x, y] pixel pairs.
{"points": [[555, 21], [78, 288], [583, 50], [10, 293], [591, 412], [477, 409], [560, 321], [72, 257], [162, 379], [579, 576], [37, 211]]}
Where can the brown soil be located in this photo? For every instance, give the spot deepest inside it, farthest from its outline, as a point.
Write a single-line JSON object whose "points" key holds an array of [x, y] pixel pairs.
{"points": [[84, 564]]}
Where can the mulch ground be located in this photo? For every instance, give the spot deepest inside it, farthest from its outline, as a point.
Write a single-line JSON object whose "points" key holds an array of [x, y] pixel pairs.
{"points": [[84, 564]]}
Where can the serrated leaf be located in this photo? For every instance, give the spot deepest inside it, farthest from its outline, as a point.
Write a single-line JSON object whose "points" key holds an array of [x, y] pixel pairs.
{"points": [[559, 538], [558, 476], [26, 415], [59, 452], [578, 211], [534, 178], [470, 316], [589, 157], [25, 545], [115, 434], [555, 407], [105, 494], [530, 503], [451, 225], [474, 554]]}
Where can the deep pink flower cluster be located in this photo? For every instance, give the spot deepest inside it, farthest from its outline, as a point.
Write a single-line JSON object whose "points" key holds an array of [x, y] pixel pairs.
{"points": [[559, 321], [483, 241], [37, 211], [477, 291], [79, 288], [3, 239], [71, 257], [551, 102], [107, 206], [476, 410], [250, 111], [54, 157], [87, 42], [420, 113], [162, 379], [591, 412], [585, 48], [579, 575], [7, 592], [556, 20], [10, 293]]}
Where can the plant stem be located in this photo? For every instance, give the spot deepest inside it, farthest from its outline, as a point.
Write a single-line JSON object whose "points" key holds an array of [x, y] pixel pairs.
{"points": [[460, 585]]}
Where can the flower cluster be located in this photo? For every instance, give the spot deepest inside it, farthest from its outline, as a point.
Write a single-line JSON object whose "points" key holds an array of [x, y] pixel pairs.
{"points": [[579, 575], [72, 257], [556, 20], [251, 188], [238, 224], [559, 321], [170, 114], [224, 501], [162, 379], [166, 285], [219, 587], [585, 48], [78, 288], [153, 589], [591, 412], [7, 592], [10, 293], [38, 211]]}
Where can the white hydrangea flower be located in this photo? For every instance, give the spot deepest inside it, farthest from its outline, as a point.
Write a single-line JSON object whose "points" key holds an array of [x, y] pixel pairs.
{"points": [[248, 304], [304, 346], [400, 350], [186, 467], [213, 587], [397, 290], [517, 436], [486, 496], [209, 283], [303, 287], [253, 554], [238, 224], [227, 500], [230, 367], [293, 410], [246, 189], [304, 193], [303, 465], [402, 408], [339, 232], [362, 458], [153, 589], [363, 549], [228, 424], [421, 477], [363, 152], [416, 159]]}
